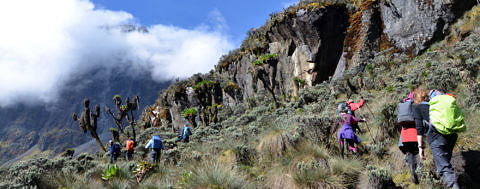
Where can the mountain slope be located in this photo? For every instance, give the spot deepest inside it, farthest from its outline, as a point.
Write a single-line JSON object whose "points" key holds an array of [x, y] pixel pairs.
{"points": [[265, 117], [51, 125]]}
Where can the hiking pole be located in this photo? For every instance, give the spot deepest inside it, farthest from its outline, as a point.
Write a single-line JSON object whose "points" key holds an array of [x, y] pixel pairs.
{"points": [[368, 107], [370, 133]]}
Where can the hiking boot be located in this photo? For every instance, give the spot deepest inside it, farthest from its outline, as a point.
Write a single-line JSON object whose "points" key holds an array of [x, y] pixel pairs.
{"points": [[415, 179]]}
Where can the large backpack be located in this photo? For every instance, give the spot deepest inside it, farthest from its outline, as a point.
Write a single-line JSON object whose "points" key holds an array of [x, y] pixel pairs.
{"points": [[157, 142], [342, 106], [116, 148], [446, 116], [186, 131], [405, 112], [130, 145]]}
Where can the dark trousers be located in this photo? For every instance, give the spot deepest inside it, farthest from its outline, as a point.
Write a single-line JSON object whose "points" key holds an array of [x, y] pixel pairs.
{"points": [[442, 148], [129, 155], [411, 149], [113, 157], [155, 156]]}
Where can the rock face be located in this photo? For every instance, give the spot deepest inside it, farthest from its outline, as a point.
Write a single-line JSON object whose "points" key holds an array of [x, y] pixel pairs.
{"points": [[413, 25], [308, 46], [311, 45]]}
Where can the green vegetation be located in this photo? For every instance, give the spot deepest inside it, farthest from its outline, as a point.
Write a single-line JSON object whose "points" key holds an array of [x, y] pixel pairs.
{"points": [[261, 60], [110, 172], [203, 83], [190, 112], [299, 81]]}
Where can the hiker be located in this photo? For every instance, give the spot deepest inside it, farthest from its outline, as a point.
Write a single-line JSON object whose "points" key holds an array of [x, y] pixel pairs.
{"points": [[441, 145], [156, 144], [347, 130], [114, 151], [350, 107], [408, 135], [185, 135], [129, 145]]}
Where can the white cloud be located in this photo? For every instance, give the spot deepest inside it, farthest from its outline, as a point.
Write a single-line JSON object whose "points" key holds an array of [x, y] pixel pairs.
{"points": [[42, 43]]}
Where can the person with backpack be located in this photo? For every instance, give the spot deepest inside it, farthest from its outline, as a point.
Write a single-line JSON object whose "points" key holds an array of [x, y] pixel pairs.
{"points": [[157, 146], [185, 135], [350, 107], [408, 135], [444, 119], [347, 131], [114, 151], [129, 145]]}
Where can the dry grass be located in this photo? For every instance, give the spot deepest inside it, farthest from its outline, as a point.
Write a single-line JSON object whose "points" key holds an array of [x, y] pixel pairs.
{"points": [[279, 178], [275, 144], [214, 174]]}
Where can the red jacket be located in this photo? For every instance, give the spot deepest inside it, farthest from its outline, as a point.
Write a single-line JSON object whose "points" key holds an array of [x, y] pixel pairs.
{"points": [[355, 106], [409, 134]]}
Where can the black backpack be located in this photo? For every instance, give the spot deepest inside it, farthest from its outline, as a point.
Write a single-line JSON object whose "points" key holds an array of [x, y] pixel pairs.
{"points": [[405, 112]]}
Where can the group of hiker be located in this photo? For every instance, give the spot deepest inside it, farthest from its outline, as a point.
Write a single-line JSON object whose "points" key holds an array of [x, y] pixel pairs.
{"points": [[155, 144], [436, 116], [433, 114]]}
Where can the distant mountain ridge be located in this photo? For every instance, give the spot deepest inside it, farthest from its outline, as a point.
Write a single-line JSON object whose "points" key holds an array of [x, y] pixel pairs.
{"points": [[50, 126]]}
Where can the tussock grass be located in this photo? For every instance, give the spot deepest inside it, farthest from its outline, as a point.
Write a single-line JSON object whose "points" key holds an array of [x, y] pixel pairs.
{"points": [[315, 178], [275, 144], [214, 174]]}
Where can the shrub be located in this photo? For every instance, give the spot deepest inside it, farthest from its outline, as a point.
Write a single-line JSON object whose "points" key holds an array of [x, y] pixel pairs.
{"points": [[428, 65], [261, 60], [311, 175], [379, 177], [213, 174], [202, 83], [275, 144], [299, 81]]}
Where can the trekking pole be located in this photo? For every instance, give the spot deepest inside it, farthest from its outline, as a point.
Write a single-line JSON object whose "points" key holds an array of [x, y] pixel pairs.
{"points": [[370, 133], [368, 107]]}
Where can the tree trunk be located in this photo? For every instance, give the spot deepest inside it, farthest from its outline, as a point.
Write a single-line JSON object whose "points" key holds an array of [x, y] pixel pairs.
{"points": [[98, 141]]}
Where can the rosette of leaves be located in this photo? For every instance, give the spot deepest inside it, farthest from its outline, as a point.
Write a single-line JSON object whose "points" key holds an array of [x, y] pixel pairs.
{"points": [[190, 114], [110, 172], [142, 168]]}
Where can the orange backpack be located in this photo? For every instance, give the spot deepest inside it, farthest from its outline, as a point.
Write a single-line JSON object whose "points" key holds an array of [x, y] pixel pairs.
{"points": [[129, 145]]}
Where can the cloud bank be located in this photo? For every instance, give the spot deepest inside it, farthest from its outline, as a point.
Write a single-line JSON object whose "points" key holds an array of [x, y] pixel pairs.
{"points": [[43, 43]]}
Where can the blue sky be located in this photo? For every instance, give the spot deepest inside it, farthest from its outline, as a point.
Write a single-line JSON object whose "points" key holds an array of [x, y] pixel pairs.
{"points": [[239, 16]]}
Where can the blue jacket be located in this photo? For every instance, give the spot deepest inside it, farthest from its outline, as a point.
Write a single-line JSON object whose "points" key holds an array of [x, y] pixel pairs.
{"points": [[186, 132], [115, 148], [155, 143]]}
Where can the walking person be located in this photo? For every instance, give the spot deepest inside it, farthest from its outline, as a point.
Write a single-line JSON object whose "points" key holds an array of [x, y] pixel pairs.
{"points": [[129, 145], [347, 131], [114, 151], [444, 120], [157, 146], [408, 142]]}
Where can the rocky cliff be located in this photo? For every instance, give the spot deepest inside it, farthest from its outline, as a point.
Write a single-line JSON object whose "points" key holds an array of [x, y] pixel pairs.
{"points": [[311, 43]]}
